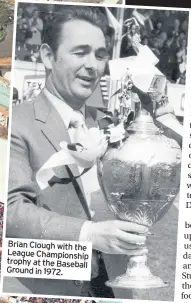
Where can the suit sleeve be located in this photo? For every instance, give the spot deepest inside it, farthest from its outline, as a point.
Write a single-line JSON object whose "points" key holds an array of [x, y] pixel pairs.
{"points": [[24, 218]]}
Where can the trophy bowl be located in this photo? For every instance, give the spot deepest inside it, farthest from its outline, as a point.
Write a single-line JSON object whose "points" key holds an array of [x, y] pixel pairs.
{"points": [[140, 180]]}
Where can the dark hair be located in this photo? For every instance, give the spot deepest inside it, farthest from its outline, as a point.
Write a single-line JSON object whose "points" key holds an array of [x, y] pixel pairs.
{"points": [[92, 15], [35, 11], [170, 34], [144, 37], [183, 32], [159, 21]]}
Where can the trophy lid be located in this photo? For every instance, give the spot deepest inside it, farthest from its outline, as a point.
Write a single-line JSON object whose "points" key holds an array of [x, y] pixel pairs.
{"points": [[143, 123]]}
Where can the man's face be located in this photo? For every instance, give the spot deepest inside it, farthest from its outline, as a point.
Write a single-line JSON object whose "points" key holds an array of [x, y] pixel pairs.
{"points": [[79, 62], [163, 36], [159, 25], [167, 13], [183, 42], [182, 36], [133, 29], [35, 14], [176, 23]]}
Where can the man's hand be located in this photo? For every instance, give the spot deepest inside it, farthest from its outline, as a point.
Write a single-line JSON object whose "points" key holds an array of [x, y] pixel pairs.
{"points": [[117, 237], [103, 145], [163, 110], [163, 116]]}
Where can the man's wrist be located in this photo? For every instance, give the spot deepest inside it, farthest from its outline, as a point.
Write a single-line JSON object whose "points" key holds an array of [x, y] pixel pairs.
{"points": [[85, 233]]}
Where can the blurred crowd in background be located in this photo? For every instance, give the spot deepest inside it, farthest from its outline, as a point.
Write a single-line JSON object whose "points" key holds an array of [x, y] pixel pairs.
{"points": [[165, 33]]}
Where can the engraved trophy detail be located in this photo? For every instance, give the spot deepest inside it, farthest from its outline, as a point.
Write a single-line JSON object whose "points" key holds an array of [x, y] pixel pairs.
{"points": [[140, 177]]}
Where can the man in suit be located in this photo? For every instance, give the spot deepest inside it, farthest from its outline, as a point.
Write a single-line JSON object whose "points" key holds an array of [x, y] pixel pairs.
{"points": [[74, 54]]}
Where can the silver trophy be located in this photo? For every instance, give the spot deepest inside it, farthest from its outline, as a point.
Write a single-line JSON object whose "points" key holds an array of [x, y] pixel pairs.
{"points": [[140, 178]]}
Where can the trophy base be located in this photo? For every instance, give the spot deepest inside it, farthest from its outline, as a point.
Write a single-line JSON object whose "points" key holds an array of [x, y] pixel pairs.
{"points": [[124, 281], [138, 276]]}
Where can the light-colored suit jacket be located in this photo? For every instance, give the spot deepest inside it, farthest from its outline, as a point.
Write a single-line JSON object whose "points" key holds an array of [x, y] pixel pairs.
{"points": [[55, 213]]}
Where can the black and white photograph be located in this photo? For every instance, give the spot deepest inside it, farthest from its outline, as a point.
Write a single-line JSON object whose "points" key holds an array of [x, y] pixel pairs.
{"points": [[98, 95]]}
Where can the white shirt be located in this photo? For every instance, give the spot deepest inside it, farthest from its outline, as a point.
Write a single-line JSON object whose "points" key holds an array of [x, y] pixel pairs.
{"points": [[89, 179]]}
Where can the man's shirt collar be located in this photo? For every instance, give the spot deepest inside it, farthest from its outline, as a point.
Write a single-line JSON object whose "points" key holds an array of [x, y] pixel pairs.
{"points": [[64, 110]]}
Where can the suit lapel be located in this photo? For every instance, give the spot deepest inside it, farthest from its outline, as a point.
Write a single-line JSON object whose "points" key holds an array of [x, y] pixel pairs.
{"points": [[55, 131], [53, 127]]}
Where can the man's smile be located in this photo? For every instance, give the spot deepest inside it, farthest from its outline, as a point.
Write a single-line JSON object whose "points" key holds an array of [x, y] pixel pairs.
{"points": [[87, 80]]}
